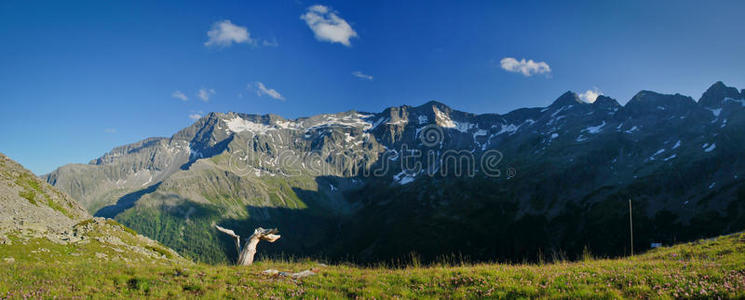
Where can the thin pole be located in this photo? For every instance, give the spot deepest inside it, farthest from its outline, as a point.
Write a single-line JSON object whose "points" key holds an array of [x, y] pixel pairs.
{"points": [[631, 229]]}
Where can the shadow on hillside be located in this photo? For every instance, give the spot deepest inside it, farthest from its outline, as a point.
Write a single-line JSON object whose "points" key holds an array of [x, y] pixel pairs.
{"points": [[207, 152], [304, 233], [125, 202], [434, 221]]}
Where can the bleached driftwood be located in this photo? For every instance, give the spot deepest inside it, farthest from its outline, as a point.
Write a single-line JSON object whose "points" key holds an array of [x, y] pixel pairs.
{"points": [[246, 253]]}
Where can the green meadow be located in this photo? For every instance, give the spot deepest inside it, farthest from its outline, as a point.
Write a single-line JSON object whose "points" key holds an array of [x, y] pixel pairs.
{"points": [[713, 268]]}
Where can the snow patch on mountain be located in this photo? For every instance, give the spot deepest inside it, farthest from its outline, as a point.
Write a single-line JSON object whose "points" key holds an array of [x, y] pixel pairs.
{"points": [[288, 125], [148, 181], [355, 120], [193, 153], [709, 148], [632, 130], [511, 129], [239, 124], [741, 101], [594, 129], [464, 126], [403, 178], [657, 153], [377, 123]]}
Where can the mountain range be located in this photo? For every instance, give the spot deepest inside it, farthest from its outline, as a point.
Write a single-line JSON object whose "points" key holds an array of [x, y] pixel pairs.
{"points": [[432, 181]]}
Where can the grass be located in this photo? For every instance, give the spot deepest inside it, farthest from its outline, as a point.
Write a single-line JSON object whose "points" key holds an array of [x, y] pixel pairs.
{"points": [[28, 195], [160, 251], [32, 187], [705, 269], [113, 222]]}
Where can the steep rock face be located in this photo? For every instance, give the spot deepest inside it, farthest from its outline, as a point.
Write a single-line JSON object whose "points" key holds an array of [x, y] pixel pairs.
{"points": [[561, 173]]}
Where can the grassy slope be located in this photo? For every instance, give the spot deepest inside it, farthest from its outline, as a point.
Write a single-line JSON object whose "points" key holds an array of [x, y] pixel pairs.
{"points": [[703, 269]]}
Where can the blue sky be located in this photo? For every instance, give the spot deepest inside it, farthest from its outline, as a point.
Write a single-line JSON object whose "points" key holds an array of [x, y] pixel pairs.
{"points": [[78, 78]]}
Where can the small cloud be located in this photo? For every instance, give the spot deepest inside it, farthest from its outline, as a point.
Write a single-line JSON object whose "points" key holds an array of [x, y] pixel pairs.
{"points": [[205, 94], [589, 96], [110, 130], [527, 68], [224, 33], [268, 43], [196, 115], [179, 95], [359, 74], [328, 26], [261, 90]]}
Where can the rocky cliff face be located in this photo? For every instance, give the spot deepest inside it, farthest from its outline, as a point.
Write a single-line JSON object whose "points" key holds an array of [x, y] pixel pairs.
{"points": [[561, 173]]}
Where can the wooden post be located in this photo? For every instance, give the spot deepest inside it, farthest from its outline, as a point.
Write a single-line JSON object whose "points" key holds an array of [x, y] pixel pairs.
{"points": [[631, 228], [246, 253]]}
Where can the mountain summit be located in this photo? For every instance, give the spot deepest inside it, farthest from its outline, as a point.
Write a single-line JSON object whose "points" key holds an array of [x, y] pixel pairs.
{"points": [[568, 98], [715, 95]]}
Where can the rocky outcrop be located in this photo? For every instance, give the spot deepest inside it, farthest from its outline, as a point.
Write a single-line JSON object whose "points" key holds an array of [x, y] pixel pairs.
{"points": [[31, 210]]}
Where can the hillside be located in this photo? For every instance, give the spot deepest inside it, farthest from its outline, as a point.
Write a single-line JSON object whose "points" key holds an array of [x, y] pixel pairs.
{"points": [[42, 225], [430, 179], [710, 268]]}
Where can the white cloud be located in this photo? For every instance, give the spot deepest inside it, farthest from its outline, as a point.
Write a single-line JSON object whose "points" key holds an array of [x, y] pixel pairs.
{"points": [[205, 94], [261, 90], [527, 68], [196, 115], [179, 95], [224, 33], [589, 96], [110, 130], [359, 74], [272, 43], [328, 26]]}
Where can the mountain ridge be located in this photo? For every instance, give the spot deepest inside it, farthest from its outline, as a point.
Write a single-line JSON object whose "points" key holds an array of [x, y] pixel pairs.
{"points": [[547, 162]]}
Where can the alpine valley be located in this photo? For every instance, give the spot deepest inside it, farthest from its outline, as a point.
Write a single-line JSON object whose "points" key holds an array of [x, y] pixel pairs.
{"points": [[431, 181]]}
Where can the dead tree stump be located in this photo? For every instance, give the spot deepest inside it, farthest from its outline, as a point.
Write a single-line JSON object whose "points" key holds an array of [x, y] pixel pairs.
{"points": [[246, 252]]}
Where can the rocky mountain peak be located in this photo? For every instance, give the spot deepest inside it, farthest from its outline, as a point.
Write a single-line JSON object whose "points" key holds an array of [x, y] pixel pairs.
{"points": [[649, 100], [435, 103], [604, 102], [716, 93], [568, 98]]}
